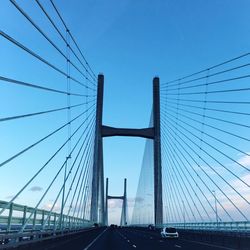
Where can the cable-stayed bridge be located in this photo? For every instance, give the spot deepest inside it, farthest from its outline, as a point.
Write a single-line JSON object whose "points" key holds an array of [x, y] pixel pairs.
{"points": [[195, 168]]}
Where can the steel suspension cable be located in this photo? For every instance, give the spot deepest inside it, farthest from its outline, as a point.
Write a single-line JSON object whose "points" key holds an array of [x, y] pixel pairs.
{"points": [[211, 109], [207, 84], [26, 84], [83, 153], [42, 139], [168, 180], [58, 195], [55, 177], [176, 189], [61, 35], [80, 180], [213, 127], [243, 215], [175, 153], [191, 166], [166, 191], [83, 173], [39, 113], [216, 149], [210, 101], [29, 51], [88, 191], [84, 190], [182, 191], [178, 173], [212, 91], [175, 163], [188, 191], [81, 194], [204, 77], [46, 36], [42, 168], [216, 119], [210, 68], [219, 163], [89, 165], [73, 39]]}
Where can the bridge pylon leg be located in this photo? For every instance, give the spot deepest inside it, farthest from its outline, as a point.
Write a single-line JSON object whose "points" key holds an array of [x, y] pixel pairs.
{"points": [[158, 207], [97, 197], [98, 210]]}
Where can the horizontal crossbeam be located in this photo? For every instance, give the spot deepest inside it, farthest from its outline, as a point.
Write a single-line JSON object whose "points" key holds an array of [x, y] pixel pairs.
{"points": [[116, 197], [143, 132]]}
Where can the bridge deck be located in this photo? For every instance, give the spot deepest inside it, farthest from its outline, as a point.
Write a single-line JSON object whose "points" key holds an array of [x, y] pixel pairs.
{"points": [[134, 238]]}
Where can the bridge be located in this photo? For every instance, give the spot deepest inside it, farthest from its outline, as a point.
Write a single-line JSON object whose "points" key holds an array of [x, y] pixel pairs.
{"points": [[195, 169]]}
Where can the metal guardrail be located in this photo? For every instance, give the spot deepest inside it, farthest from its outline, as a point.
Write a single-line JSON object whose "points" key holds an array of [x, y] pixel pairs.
{"points": [[16, 239], [16, 217], [234, 226]]}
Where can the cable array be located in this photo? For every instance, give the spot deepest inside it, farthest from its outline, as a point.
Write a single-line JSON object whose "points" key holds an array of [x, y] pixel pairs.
{"points": [[143, 211], [57, 124], [205, 123]]}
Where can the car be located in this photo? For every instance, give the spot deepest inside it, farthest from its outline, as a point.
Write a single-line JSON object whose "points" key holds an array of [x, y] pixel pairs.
{"points": [[169, 233]]}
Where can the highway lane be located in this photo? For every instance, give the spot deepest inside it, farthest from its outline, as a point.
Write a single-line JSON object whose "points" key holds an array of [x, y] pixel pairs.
{"points": [[67, 242], [144, 237], [118, 239], [130, 238]]}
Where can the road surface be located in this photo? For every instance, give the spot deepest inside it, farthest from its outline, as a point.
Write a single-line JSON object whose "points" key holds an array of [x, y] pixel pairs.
{"points": [[130, 238], [120, 239]]}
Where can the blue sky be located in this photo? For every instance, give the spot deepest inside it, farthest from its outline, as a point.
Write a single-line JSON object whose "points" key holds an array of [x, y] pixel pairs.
{"points": [[130, 42]]}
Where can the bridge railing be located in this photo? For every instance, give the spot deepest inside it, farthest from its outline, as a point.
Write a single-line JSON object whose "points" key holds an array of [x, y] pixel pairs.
{"points": [[234, 226], [15, 217]]}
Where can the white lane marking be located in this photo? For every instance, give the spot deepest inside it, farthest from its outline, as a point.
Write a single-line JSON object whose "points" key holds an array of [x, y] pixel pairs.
{"points": [[207, 244], [134, 246], [177, 246], [91, 243], [122, 236]]}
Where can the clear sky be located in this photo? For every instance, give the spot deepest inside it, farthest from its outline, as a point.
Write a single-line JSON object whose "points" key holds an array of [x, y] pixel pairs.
{"points": [[130, 42]]}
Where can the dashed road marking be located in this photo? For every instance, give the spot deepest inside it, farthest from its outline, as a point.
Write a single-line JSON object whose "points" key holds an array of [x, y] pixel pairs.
{"points": [[134, 246], [177, 246], [92, 242]]}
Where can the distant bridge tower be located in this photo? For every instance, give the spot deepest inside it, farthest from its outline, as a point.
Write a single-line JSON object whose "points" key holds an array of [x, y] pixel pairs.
{"points": [[97, 199], [124, 203]]}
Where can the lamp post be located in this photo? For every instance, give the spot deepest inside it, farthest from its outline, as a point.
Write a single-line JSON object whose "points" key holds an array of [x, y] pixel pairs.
{"points": [[85, 201], [215, 206], [184, 218]]}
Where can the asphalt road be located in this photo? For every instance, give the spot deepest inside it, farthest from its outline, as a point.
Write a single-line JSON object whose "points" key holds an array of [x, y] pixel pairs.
{"points": [[130, 238], [119, 239]]}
